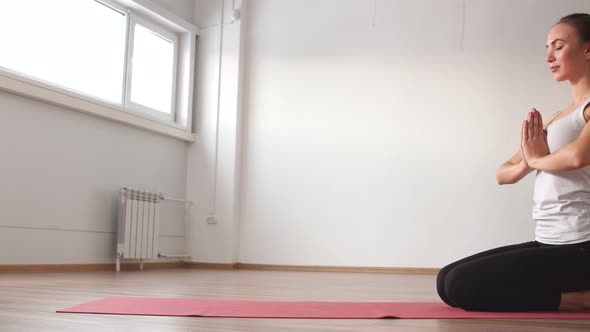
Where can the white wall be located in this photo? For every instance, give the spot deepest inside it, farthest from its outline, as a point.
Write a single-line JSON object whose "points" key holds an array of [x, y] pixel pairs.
{"points": [[182, 8], [374, 140], [215, 195], [60, 173]]}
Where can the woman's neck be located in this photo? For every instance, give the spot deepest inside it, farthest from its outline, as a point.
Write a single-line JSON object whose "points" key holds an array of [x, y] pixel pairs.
{"points": [[581, 88], [580, 91]]}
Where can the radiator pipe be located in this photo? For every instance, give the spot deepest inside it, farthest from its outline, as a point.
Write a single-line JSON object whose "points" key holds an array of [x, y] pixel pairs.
{"points": [[173, 256], [177, 200]]}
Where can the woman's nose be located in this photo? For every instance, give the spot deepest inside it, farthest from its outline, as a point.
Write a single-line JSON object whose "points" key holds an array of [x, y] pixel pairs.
{"points": [[550, 58]]}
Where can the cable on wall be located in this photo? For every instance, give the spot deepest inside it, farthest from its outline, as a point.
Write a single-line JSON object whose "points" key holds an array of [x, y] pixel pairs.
{"points": [[374, 13], [213, 207], [463, 14]]}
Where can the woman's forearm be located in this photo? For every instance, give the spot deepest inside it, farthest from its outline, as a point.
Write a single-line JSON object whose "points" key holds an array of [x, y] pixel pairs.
{"points": [[509, 173], [567, 158]]}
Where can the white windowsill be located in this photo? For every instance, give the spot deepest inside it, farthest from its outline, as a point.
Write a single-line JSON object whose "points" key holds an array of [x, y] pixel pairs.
{"points": [[33, 89]]}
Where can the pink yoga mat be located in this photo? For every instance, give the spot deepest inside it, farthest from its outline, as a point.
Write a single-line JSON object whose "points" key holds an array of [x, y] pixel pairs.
{"points": [[278, 309]]}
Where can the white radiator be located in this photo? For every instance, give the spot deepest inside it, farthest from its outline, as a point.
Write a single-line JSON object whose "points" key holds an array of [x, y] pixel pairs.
{"points": [[138, 229]]}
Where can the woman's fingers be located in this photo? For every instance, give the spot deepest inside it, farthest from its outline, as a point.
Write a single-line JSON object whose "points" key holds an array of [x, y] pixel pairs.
{"points": [[535, 123], [530, 126], [524, 136], [540, 124]]}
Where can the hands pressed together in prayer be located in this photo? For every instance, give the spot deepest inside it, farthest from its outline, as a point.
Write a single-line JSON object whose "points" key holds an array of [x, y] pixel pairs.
{"points": [[533, 141]]}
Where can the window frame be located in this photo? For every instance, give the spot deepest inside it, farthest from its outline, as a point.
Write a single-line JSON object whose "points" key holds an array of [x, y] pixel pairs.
{"points": [[178, 127]]}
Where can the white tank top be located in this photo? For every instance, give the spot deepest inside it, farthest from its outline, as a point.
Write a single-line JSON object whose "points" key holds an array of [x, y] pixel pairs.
{"points": [[561, 207]]}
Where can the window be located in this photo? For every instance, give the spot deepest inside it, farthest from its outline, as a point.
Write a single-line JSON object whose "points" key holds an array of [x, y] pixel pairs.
{"points": [[80, 45], [152, 68], [112, 53]]}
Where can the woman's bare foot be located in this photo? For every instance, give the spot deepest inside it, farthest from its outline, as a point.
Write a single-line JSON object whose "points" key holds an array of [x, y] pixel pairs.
{"points": [[575, 301]]}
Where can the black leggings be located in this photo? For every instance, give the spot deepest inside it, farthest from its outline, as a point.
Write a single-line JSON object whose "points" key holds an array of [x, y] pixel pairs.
{"points": [[523, 277]]}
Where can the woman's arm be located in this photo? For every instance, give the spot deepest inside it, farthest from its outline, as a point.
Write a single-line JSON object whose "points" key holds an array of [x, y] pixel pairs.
{"points": [[513, 170], [517, 167], [573, 155]]}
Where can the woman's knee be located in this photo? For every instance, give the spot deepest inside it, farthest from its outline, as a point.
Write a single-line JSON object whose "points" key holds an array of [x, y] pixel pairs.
{"points": [[461, 289], [440, 284]]}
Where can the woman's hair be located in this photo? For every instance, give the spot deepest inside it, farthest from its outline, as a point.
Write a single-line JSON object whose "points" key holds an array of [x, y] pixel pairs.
{"points": [[580, 22]]}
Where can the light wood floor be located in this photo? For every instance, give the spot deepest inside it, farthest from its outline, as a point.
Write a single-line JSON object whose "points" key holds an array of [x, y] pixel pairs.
{"points": [[28, 301]]}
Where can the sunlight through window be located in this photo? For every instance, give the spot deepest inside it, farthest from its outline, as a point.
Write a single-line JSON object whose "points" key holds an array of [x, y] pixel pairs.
{"points": [[79, 45], [152, 70]]}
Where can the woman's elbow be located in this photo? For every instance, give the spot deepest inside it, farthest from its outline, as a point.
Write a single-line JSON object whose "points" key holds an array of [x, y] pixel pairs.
{"points": [[576, 163], [501, 179], [579, 159]]}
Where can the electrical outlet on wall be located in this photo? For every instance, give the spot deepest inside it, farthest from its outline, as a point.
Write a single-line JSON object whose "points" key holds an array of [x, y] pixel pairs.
{"points": [[235, 15], [212, 219]]}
